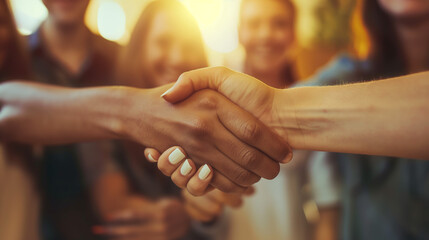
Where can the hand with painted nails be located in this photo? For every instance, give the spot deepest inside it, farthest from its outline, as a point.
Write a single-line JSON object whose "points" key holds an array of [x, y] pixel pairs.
{"points": [[216, 132], [163, 219], [343, 118], [182, 170], [208, 207]]}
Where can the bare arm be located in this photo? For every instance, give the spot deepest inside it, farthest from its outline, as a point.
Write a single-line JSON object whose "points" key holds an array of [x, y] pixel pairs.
{"points": [[211, 129], [387, 117], [43, 114]]}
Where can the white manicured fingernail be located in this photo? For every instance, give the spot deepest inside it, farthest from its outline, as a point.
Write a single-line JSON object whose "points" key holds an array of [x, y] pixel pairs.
{"points": [[166, 92], [205, 171], [186, 168], [151, 158], [176, 156]]}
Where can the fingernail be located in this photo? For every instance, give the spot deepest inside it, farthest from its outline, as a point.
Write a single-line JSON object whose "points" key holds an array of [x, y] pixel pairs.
{"points": [[151, 158], [176, 156], [205, 171], [166, 92], [186, 168], [98, 230]]}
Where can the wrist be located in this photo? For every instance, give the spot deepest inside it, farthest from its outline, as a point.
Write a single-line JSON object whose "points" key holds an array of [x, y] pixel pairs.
{"points": [[283, 116]]}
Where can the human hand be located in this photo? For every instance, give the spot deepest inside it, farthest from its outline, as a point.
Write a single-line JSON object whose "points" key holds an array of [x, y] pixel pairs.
{"points": [[212, 130], [246, 91], [163, 219]]}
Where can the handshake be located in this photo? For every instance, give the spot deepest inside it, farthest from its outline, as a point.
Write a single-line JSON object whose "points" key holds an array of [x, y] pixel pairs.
{"points": [[217, 128], [227, 142]]}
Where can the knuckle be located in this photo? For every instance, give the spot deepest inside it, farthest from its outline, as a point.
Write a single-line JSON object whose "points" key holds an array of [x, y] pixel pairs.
{"points": [[246, 178], [184, 75], [208, 100], [228, 188], [164, 168], [200, 126], [250, 131], [178, 180], [194, 189], [250, 158]]}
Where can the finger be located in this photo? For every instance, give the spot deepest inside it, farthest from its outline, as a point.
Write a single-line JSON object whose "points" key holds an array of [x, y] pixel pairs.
{"points": [[198, 215], [224, 184], [151, 154], [221, 80], [192, 81], [249, 191], [198, 184], [254, 133], [183, 174], [170, 160], [251, 163], [233, 200], [206, 205]]}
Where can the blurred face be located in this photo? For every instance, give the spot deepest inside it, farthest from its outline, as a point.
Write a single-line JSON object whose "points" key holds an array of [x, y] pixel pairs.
{"points": [[5, 33], [169, 50], [67, 12], [266, 31], [405, 8]]}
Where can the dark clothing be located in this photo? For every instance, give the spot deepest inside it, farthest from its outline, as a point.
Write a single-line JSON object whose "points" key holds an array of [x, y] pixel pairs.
{"points": [[382, 197], [66, 208]]}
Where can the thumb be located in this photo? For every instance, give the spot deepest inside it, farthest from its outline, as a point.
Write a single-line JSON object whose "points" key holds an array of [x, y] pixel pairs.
{"points": [[192, 81]]}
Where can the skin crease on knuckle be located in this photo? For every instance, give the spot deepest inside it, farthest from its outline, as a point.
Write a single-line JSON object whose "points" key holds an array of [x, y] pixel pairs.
{"points": [[249, 157], [250, 131]]}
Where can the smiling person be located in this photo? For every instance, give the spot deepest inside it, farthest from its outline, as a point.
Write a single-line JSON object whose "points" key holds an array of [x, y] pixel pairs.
{"points": [[166, 41], [267, 33], [37, 113], [385, 192]]}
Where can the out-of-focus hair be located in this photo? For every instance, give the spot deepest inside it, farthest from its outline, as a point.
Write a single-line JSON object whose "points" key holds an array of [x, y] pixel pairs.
{"points": [[129, 71], [16, 64], [377, 40]]}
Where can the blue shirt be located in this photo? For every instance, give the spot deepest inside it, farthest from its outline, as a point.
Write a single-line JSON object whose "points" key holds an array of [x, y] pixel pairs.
{"points": [[382, 197]]}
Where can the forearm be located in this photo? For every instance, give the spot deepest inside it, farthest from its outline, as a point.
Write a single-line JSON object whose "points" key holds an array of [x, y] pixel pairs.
{"points": [[43, 114], [387, 117]]}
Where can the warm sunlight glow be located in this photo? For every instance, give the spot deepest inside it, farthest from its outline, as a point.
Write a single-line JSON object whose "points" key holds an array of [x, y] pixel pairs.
{"points": [[111, 20], [218, 21], [28, 14]]}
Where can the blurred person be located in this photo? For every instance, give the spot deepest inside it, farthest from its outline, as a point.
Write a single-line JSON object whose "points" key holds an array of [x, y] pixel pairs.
{"points": [[276, 210], [19, 196], [267, 33], [64, 52], [165, 42], [383, 197]]}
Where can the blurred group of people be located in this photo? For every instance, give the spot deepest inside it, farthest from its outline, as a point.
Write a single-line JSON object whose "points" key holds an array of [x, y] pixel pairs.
{"points": [[106, 190]]}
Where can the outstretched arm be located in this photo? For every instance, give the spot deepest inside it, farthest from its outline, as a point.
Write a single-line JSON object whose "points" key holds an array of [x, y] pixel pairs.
{"points": [[210, 128], [386, 117]]}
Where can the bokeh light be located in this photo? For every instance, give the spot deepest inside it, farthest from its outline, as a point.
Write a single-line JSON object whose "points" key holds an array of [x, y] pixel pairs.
{"points": [[111, 20], [218, 20], [28, 14]]}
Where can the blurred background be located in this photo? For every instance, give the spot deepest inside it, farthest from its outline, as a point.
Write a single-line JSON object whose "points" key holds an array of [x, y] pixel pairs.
{"points": [[323, 26]]}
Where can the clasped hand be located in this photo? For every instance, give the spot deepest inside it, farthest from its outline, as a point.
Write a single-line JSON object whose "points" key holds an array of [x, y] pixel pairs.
{"points": [[228, 141]]}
